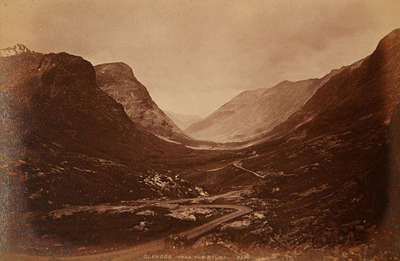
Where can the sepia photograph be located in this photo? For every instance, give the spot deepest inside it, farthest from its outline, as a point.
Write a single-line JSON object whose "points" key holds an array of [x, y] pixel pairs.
{"points": [[201, 130]]}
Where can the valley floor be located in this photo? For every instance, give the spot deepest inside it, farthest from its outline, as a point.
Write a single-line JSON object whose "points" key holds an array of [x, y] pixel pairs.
{"points": [[229, 226]]}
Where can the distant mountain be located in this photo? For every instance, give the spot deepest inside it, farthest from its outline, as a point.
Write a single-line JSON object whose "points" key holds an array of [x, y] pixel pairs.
{"points": [[14, 50], [119, 81], [183, 120], [254, 112]]}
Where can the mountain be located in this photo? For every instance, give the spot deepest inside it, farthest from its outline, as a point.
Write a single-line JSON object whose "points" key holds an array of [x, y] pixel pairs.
{"points": [[364, 91], [254, 112], [345, 138], [14, 50], [65, 141], [331, 170], [183, 120], [119, 81]]}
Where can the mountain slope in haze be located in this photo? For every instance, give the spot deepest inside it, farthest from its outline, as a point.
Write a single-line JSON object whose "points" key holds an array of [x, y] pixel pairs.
{"points": [[254, 112], [183, 120], [119, 81]]}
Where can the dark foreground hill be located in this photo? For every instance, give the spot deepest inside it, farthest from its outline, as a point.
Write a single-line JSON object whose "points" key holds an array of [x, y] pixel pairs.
{"points": [[64, 141]]}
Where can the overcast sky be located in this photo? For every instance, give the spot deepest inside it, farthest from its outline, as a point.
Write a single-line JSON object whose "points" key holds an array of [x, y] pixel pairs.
{"points": [[193, 56]]}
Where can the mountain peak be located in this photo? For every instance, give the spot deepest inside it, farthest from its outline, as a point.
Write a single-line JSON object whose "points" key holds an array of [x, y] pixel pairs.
{"points": [[118, 80], [116, 71], [14, 50]]}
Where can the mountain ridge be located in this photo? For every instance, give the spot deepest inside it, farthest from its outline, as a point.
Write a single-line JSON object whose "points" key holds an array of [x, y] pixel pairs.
{"points": [[118, 80], [253, 112]]}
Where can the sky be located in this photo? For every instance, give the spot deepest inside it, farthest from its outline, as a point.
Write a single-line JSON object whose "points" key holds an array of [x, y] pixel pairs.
{"points": [[194, 56]]}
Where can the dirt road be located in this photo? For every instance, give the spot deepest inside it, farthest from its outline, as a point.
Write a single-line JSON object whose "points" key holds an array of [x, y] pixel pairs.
{"points": [[197, 231], [238, 164], [138, 252]]}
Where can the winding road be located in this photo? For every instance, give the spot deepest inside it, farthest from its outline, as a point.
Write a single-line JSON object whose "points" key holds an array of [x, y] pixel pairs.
{"points": [[200, 230], [238, 164], [157, 245]]}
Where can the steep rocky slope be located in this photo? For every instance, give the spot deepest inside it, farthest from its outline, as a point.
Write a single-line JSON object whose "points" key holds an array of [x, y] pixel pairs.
{"points": [[118, 80], [364, 91]]}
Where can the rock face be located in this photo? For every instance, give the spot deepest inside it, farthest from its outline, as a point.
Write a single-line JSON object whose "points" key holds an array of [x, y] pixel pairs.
{"points": [[183, 121], [118, 80], [254, 112]]}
